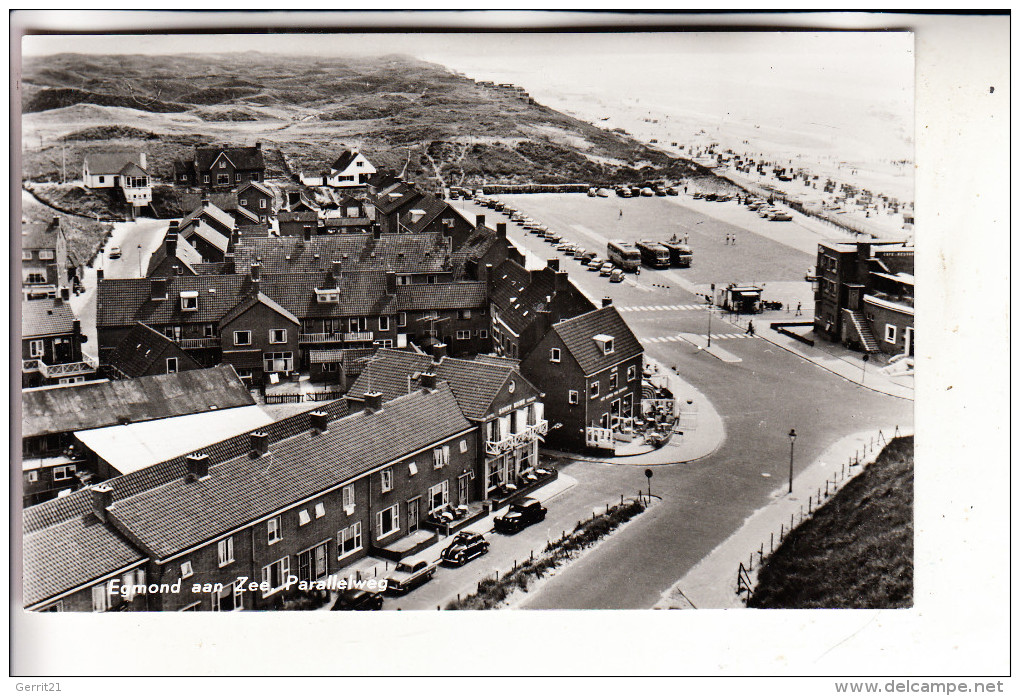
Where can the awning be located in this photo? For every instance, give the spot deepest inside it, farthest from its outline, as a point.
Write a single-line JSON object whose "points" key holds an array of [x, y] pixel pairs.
{"points": [[319, 357], [750, 294]]}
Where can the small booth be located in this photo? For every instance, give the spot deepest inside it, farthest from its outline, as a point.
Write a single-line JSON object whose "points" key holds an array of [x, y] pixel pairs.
{"points": [[742, 299]]}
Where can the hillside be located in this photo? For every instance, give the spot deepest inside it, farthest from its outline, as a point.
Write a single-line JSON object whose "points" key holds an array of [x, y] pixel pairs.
{"points": [[857, 551], [405, 114]]}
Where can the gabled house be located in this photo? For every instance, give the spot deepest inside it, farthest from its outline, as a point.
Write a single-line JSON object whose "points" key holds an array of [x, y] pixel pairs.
{"points": [[591, 366], [393, 201], [175, 256], [260, 338], [145, 351], [123, 170], [506, 409], [258, 200], [210, 230], [350, 170], [221, 167], [45, 265], [51, 341]]}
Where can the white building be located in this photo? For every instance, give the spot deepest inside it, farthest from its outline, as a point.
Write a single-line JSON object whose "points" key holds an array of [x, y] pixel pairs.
{"points": [[350, 170], [125, 170]]}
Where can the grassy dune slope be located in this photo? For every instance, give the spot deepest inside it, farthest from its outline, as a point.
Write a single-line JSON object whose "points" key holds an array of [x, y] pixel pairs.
{"points": [[857, 551]]}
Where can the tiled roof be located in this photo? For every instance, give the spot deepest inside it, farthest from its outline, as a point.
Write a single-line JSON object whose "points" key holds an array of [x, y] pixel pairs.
{"points": [[46, 317], [430, 208], [297, 216], [242, 214], [39, 235], [458, 295], [361, 294], [242, 157], [185, 253], [210, 212], [124, 301], [355, 359], [224, 200], [142, 347], [112, 162], [246, 304], [403, 253], [258, 231], [256, 185], [249, 358], [61, 509], [387, 373], [181, 514], [344, 160], [75, 407], [577, 334], [519, 295], [200, 228], [132, 169], [317, 357], [395, 196], [71, 554]]}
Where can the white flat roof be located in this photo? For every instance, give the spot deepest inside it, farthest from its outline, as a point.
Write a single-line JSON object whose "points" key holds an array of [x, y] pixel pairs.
{"points": [[136, 446]]}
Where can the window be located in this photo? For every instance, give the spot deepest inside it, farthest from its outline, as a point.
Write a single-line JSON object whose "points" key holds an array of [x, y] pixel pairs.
{"points": [[243, 201], [385, 342], [26, 255], [209, 331], [384, 323], [303, 518], [329, 367], [222, 178], [412, 469], [631, 373], [226, 551], [607, 347], [275, 529], [171, 366], [464, 314], [35, 278], [46, 254], [36, 348], [572, 396], [387, 522], [402, 319], [327, 295], [594, 389], [275, 575], [262, 203], [33, 476], [386, 479], [348, 540], [205, 178], [441, 456], [227, 599], [613, 381], [242, 338], [102, 179], [463, 446], [439, 496], [483, 333], [186, 570], [358, 324], [278, 362], [554, 355], [320, 510], [890, 333], [237, 176], [63, 473], [100, 598], [189, 301], [223, 164], [312, 564], [278, 335], [348, 498], [463, 335]]}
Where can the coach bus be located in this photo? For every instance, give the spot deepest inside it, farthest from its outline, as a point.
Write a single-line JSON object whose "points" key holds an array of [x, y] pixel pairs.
{"points": [[653, 254], [680, 255], [624, 255]]}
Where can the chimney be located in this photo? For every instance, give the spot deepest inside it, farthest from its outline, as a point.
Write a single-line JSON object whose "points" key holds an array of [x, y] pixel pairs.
{"points": [[205, 202], [501, 230], [471, 268], [173, 226], [377, 233], [228, 263], [489, 280], [258, 144], [336, 268], [293, 198], [99, 274], [439, 351], [76, 328], [561, 280], [102, 498], [142, 161], [391, 282], [373, 401], [56, 221], [553, 264], [427, 380], [259, 444], [65, 294], [158, 287], [170, 242], [479, 221], [607, 301], [256, 267], [319, 421], [198, 466]]}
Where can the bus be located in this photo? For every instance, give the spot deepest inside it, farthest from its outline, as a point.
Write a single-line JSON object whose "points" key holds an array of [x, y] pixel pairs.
{"points": [[680, 255], [653, 254], [623, 254]]}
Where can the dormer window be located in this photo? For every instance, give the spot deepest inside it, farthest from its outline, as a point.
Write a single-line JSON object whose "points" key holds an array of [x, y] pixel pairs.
{"points": [[605, 343], [327, 295], [189, 301], [223, 164]]}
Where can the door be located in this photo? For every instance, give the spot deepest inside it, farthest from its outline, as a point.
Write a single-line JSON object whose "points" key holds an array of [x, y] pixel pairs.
{"points": [[413, 512], [908, 340], [462, 490]]}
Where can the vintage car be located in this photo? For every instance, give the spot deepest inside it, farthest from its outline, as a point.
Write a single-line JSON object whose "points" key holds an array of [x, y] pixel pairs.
{"points": [[520, 515], [606, 270], [358, 600], [464, 547], [409, 574]]}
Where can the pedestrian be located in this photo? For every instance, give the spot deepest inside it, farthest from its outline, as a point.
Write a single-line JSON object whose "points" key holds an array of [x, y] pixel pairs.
{"points": [[621, 212], [750, 328], [798, 310]]}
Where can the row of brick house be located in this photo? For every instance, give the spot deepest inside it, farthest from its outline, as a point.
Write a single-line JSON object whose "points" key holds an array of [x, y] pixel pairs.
{"points": [[307, 496]]}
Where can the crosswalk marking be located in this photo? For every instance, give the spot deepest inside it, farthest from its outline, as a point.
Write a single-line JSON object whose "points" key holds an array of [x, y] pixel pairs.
{"points": [[661, 308], [678, 337]]}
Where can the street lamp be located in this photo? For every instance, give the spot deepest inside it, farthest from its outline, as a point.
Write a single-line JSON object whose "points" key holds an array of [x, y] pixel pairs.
{"points": [[139, 260], [793, 436]]}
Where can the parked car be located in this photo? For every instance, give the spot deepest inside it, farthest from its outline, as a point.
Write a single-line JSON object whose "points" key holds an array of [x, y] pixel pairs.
{"points": [[114, 252], [520, 515], [587, 256], [602, 193], [579, 252], [464, 547], [517, 217], [553, 238], [358, 600], [672, 191], [647, 192], [595, 263], [566, 247], [606, 269], [616, 276], [592, 192], [781, 216], [409, 574]]}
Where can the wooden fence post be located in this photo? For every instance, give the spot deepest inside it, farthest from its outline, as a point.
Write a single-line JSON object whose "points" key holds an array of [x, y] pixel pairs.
{"points": [[771, 539]]}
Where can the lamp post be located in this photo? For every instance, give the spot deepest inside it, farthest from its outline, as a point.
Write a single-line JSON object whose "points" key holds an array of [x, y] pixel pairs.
{"points": [[793, 436], [139, 260]]}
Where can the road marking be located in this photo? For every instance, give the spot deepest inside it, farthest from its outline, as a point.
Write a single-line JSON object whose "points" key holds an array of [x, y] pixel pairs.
{"points": [[661, 308], [680, 337]]}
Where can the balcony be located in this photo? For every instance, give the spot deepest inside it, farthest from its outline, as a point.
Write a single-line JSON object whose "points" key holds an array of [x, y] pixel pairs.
{"points": [[358, 336], [529, 434], [86, 366], [602, 438], [321, 338], [211, 342]]}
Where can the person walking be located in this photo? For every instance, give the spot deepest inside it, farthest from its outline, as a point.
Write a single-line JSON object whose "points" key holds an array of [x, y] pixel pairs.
{"points": [[750, 328], [798, 310]]}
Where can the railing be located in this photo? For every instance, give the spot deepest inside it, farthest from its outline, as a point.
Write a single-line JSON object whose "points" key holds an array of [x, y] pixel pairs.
{"points": [[358, 336], [299, 398], [86, 366], [199, 342], [321, 338], [599, 437], [529, 434], [30, 365]]}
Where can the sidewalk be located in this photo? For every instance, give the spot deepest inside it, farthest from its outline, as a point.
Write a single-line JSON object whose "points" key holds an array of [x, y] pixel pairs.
{"points": [[712, 583], [703, 429], [843, 362]]}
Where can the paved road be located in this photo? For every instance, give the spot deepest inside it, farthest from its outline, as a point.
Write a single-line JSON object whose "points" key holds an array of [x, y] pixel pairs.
{"points": [[760, 398]]}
